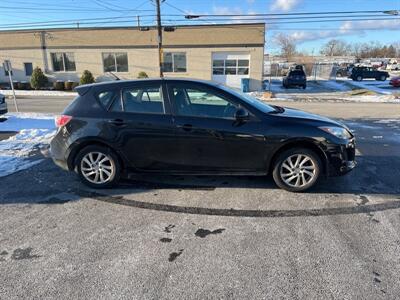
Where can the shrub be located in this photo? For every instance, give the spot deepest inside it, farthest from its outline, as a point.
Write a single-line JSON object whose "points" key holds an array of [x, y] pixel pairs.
{"points": [[142, 74], [87, 77], [58, 85], [23, 85], [38, 79], [69, 85], [74, 85]]}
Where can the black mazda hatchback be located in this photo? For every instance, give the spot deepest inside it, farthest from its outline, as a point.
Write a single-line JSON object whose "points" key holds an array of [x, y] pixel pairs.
{"points": [[182, 126]]}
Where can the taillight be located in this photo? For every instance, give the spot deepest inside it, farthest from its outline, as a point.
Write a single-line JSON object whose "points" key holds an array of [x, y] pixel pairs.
{"points": [[62, 120]]}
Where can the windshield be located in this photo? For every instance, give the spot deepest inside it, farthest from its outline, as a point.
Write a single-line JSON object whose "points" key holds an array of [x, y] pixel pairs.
{"points": [[265, 108]]}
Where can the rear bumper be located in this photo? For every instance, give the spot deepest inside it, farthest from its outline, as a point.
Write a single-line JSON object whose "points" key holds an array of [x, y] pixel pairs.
{"points": [[59, 150], [296, 82], [61, 163]]}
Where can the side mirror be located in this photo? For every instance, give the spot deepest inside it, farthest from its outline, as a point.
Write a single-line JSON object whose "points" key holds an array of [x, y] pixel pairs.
{"points": [[242, 115]]}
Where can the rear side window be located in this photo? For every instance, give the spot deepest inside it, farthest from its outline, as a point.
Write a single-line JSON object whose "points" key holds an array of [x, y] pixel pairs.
{"points": [[146, 99], [105, 98]]}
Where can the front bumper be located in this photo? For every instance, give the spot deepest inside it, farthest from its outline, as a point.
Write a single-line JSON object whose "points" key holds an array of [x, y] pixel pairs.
{"points": [[342, 159]]}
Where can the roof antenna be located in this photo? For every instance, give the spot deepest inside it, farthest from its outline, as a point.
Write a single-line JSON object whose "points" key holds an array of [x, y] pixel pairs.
{"points": [[115, 76]]}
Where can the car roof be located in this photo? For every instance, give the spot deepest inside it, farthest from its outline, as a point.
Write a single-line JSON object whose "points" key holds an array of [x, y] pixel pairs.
{"points": [[82, 89]]}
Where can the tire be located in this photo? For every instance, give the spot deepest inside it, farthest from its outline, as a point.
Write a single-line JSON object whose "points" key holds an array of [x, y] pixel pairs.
{"points": [[338, 74], [359, 78], [383, 78], [282, 176], [94, 174], [304, 87]]}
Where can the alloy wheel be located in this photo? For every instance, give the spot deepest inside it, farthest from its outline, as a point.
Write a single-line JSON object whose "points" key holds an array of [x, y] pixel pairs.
{"points": [[298, 170], [97, 167]]}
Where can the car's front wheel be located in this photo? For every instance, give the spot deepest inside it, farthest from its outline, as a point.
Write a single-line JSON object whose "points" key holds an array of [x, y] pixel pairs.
{"points": [[359, 78], [297, 170], [98, 167], [383, 78]]}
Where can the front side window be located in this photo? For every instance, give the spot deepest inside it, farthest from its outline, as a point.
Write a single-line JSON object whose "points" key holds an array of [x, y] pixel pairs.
{"points": [[115, 62], [174, 62], [63, 62], [201, 102], [147, 99]]}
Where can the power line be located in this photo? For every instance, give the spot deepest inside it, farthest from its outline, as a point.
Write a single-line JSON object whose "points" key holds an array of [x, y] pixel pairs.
{"points": [[266, 21], [69, 9], [192, 16]]}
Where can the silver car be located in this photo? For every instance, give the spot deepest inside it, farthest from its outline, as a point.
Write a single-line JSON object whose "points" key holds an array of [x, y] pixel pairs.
{"points": [[3, 105]]}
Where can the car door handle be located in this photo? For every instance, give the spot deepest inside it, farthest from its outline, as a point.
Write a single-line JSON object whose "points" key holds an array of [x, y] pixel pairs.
{"points": [[186, 127], [117, 122]]}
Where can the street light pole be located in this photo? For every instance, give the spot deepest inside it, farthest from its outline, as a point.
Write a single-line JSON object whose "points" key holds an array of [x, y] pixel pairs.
{"points": [[159, 38]]}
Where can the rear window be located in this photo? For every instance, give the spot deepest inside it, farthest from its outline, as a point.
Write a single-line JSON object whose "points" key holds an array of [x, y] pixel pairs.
{"points": [[297, 73]]}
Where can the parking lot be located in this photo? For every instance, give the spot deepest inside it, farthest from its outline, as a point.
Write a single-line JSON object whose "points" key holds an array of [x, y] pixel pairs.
{"points": [[209, 237]]}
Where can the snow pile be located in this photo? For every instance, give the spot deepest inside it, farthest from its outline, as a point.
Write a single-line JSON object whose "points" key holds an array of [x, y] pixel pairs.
{"points": [[20, 151], [38, 93], [380, 87]]}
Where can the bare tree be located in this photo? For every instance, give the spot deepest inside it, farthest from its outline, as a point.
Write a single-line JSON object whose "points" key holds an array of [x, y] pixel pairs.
{"points": [[286, 44], [335, 47]]}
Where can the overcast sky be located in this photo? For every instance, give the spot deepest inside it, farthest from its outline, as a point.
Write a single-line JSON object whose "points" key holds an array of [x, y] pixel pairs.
{"points": [[310, 36]]}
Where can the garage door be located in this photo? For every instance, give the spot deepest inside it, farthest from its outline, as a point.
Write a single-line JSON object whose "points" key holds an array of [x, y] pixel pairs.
{"points": [[230, 67]]}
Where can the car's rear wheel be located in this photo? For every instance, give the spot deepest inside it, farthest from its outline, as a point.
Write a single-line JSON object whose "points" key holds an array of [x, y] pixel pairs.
{"points": [[383, 78], [359, 78], [304, 87], [98, 167], [297, 170]]}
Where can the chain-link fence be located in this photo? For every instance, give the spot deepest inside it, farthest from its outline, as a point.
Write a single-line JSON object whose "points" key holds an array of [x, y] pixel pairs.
{"points": [[313, 70]]}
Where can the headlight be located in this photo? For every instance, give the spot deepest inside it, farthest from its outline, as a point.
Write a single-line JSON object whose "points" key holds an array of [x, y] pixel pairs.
{"points": [[341, 133]]}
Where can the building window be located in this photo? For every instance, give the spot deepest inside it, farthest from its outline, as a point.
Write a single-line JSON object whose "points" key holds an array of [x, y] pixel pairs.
{"points": [[115, 62], [174, 62], [28, 69], [230, 67], [63, 62]]}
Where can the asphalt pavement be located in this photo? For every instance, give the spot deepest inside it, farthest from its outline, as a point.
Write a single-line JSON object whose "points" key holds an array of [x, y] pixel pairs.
{"points": [[205, 237]]}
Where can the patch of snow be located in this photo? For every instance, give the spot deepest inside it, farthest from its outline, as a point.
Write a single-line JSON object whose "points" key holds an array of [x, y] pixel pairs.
{"points": [[334, 85], [38, 93], [20, 121], [387, 121], [381, 87], [18, 152]]}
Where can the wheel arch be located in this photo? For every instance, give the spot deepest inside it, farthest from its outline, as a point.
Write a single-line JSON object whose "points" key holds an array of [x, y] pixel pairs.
{"points": [[307, 144], [81, 144]]}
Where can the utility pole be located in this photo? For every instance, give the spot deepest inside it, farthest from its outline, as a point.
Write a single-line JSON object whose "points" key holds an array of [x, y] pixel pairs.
{"points": [[159, 38], [7, 67], [138, 21]]}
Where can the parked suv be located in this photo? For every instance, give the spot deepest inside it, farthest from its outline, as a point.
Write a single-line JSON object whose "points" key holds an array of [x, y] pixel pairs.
{"points": [[360, 73], [3, 105], [182, 126], [295, 77]]}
